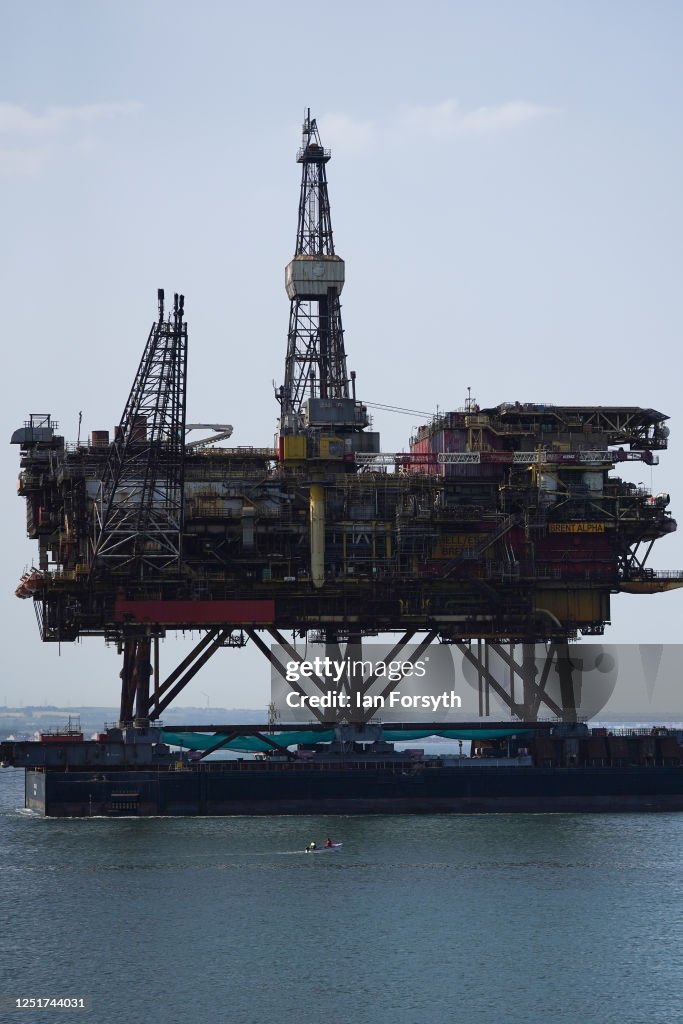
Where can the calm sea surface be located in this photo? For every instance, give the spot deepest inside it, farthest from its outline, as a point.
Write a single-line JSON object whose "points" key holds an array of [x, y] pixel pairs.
{"points": [[502, 919]]}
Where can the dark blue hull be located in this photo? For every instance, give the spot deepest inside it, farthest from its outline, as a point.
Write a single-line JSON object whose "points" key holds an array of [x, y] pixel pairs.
{"points": [[253, 789]]}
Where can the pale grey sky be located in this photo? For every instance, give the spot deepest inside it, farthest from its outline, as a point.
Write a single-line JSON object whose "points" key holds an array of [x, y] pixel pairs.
{"points": [[505, 189]]}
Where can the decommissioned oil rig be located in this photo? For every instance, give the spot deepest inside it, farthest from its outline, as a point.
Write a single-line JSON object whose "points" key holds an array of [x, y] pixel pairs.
{"points": [[498, 525]]}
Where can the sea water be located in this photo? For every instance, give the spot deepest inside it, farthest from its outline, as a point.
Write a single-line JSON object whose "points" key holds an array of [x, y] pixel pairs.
{"points": [[415, 920]]}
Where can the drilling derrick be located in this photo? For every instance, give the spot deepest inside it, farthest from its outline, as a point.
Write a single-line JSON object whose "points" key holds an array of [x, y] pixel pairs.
{"points": [[139, 508], [315, 393], [321, 424]]}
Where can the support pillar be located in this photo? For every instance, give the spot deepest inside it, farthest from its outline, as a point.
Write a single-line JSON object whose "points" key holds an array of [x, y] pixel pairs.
{"points": [[135, 675], [127, 682], [533, 673], [143, 672]]}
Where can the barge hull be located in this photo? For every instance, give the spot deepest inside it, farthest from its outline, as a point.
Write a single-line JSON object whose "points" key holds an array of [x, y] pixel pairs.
{"points": [[442, 790]]}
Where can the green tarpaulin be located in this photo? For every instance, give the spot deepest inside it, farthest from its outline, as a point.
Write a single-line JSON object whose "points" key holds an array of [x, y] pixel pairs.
{"points": [[255, 745]]}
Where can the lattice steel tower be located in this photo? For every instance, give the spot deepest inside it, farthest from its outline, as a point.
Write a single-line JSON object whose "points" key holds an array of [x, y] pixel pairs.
{"points": [[316, 360], [139, 506]]}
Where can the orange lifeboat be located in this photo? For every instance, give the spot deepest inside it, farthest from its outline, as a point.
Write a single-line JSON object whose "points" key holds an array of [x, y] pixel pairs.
{"points": [[30, 583]]}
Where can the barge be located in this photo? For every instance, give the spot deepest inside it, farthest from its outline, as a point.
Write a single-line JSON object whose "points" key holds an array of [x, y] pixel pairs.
{"points": [[566, 768]]}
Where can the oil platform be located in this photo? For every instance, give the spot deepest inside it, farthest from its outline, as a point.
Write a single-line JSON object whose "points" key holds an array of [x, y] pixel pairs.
{"points": [[499, 525]]}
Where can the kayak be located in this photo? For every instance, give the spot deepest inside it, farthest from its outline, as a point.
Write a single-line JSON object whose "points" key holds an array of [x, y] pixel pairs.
{"points": [[324, 849]]}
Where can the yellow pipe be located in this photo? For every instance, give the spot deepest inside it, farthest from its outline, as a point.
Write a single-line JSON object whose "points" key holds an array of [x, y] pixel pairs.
{"points": [[317, 513]]}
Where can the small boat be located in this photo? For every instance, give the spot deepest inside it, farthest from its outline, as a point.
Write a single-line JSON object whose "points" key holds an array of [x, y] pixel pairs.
{"points": [[323, 849]]}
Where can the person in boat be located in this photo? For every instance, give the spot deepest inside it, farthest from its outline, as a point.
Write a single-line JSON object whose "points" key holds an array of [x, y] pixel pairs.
{"points": [[328, 843], [311, 846]]}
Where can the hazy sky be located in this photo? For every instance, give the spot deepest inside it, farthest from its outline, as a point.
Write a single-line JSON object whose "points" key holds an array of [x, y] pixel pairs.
{"points": [[505, 189]]}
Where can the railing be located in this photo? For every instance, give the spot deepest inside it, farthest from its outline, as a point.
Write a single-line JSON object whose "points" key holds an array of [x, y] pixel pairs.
{"points": [[626, 731], [540, 456], [244, 452], [655, 574], [398, 767], [543, 456]]}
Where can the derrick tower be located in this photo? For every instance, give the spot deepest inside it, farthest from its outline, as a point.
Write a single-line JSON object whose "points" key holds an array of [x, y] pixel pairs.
{"points": [[317, 383], [139, 507]]}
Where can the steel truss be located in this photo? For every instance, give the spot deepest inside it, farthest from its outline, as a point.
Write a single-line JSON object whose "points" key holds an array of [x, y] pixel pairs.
{"points": [[139, 506], [525, 675], [316, 359], [534, 684], [528, 686]]}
